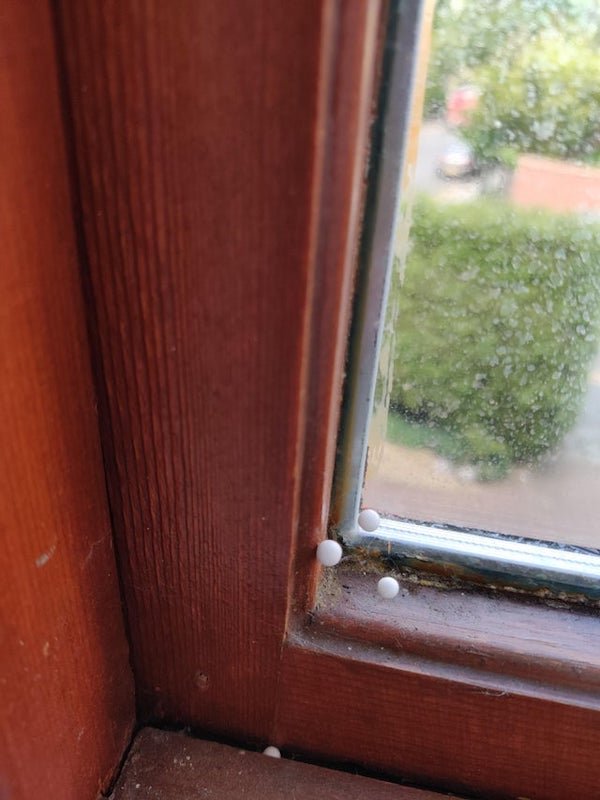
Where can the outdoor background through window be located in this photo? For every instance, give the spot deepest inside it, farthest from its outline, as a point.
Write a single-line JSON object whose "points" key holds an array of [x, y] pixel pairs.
{"points": [[487, 412]]}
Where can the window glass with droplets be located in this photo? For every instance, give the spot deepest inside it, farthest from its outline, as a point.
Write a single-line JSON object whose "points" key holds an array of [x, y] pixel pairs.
{"points": [[486, 414]]}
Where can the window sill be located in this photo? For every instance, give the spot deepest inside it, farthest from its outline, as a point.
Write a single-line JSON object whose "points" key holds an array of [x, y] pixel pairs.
{"points": [[503, 637], [450, 689], [173, 766]]}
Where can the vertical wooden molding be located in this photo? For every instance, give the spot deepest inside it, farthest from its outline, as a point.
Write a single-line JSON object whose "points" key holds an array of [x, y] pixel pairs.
{"points": [[194, 124], [351, 50], [66, 690], [199, 128]]}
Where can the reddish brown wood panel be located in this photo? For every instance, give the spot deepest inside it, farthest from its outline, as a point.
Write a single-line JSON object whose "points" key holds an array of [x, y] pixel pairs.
{"points": [[437, 724], [200, 130], [66, 691], [172, 766], [511, 635], [347, 109]]}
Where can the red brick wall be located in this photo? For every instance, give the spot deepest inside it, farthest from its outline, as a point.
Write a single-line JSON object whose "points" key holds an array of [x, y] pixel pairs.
{"points": [[556, 185]]}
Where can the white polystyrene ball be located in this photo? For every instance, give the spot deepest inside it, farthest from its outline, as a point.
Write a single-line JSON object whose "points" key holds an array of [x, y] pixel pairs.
{"points": [[369, 520], [272, 751], [329, 553], [388, 587]]}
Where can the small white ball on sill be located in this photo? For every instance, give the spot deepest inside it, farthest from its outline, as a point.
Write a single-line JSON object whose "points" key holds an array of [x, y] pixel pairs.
{"points": [[329, 553], [369, 520], [272, 751], [388, 587]]}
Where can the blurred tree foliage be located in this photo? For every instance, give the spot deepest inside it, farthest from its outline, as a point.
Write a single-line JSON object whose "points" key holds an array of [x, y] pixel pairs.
{"points": [[498, 321], [546, 101], [537, 67]]}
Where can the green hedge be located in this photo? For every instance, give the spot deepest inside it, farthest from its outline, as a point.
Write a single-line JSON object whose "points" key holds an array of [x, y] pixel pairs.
{"points": [[498, 323]]}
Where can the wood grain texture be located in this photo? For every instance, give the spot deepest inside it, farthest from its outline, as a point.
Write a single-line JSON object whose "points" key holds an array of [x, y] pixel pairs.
{"points": [[200, 129], [172, 766], [66, 690], [438, 724], [515, 636], [347, 112]]}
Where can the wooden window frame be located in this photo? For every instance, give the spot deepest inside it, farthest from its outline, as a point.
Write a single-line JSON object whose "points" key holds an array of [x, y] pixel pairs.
{"points": [[219, 158]]}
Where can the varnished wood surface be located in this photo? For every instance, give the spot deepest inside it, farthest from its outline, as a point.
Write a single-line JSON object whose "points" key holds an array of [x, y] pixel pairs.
{"points": [[172, 766], [66, 691], [514, 635], [436, 723], [206, 138], [200, 131], [347, 113]]}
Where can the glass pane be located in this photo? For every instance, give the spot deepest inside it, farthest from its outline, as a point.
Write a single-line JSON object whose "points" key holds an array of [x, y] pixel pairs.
{"points": [[487, 412]]}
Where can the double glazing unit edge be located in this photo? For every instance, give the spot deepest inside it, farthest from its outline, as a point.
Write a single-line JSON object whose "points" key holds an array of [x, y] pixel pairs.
{"points": [[527, 564]]}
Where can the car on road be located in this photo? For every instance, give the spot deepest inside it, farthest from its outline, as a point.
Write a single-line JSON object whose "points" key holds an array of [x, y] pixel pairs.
{"points": [[457, 161]]}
